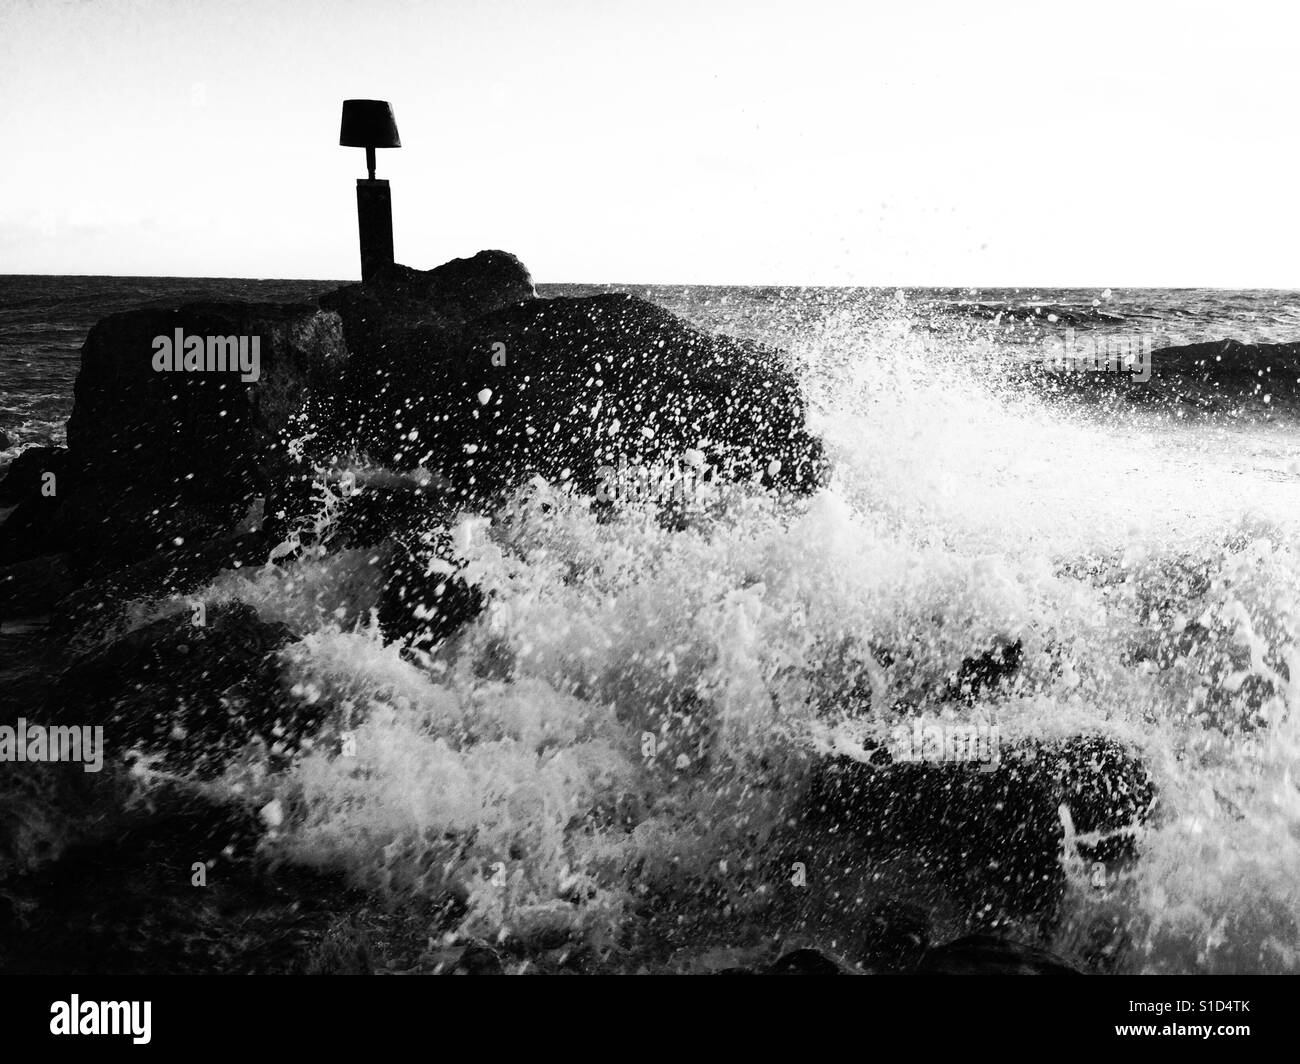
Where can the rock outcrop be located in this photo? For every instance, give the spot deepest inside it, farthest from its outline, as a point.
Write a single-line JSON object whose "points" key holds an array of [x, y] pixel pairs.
{"points": [[158, 456], [564, 387], [993, 833]]}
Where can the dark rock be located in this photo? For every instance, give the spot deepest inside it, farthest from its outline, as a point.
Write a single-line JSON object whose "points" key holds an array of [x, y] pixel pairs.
{"points": [[166, 456], [31, 588], [99, 600], [993, 834], [420, 603], [895, 936], [197, 694], [562, 388], [981, 675], [125, 902], [448, 295], [478, 958], [1220, 377], [597, 381], [987, 955], [36, 499], [23, 477], [6, 441]]}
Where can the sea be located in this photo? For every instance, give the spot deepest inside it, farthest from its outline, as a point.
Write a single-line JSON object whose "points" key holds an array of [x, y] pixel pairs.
{"points": [[1147, 559]]}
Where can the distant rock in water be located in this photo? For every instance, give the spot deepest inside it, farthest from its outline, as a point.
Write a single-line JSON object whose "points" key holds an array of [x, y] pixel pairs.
{"points": [[1222, 377]]}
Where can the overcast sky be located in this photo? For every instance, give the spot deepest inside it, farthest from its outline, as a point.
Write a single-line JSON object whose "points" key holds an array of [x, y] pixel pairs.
{"points": [[703, 141]]}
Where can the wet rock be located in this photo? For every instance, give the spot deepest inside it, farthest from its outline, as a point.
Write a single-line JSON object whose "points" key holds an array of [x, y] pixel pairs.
{"points": [[475, 958], [36, 486], [423, 600], [196, 694], [895, 936], [126, 902], [563, 388], [421, 603], [161, 456], [592, 383], [988, 955], [448, 295], [23, 477], [978, 676], [993, 833], [100, 600], [31, 588]]}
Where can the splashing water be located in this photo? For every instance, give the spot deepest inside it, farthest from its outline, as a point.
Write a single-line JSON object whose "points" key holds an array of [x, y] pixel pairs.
{"points": [[1149, 568]]}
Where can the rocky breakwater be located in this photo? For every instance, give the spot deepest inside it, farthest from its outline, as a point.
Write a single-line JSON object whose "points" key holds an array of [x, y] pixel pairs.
{"points": [[197, 445]]}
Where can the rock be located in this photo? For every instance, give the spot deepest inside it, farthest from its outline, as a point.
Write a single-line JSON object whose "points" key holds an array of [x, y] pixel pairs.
{"points": [[36, 499], [987, 955], [1215, 377], [992, 834], [100, 601], [979, 676], [164, 456], [6, 441], [476, 958], [196, 694], [563, 388], [31, 588], [125, 902], [23, 477], [595, 382], [448, 295], [421, 602], [895, 936]]}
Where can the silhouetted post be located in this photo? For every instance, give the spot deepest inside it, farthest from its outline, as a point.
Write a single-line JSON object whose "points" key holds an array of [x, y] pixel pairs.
{"points": [[370, 124]]}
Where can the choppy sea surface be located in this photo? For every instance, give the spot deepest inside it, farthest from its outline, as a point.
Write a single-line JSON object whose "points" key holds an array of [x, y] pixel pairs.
{"points": [[1149, 565]]}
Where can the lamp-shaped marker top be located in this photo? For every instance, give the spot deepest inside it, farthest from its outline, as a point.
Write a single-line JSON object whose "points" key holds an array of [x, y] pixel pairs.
{"points": [[369, 124]]}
